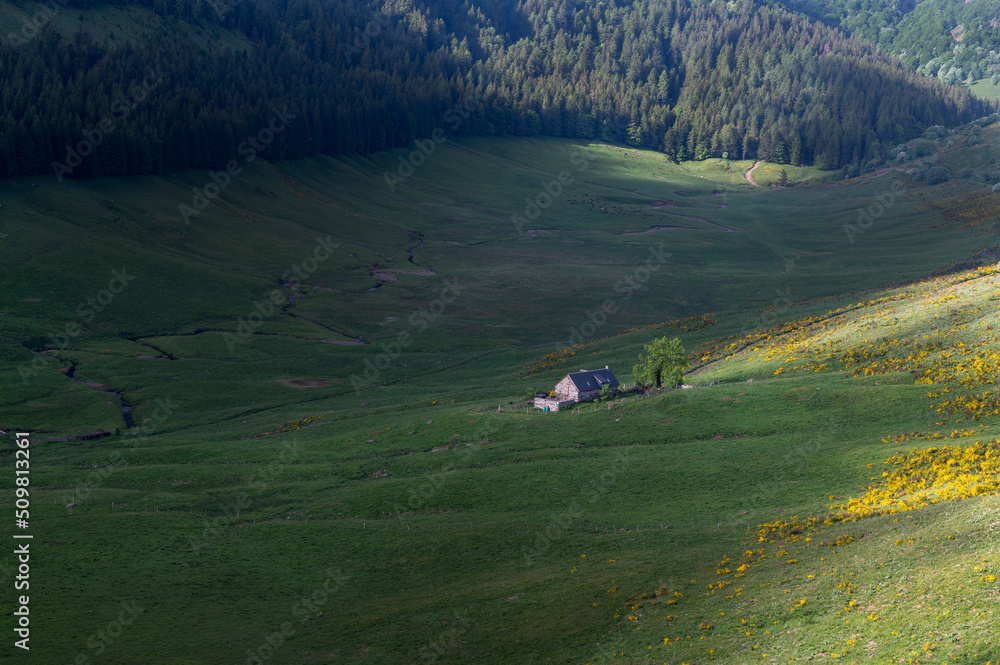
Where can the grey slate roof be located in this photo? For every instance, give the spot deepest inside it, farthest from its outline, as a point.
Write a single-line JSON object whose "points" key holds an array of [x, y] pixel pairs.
{"points": [[593, 379]]}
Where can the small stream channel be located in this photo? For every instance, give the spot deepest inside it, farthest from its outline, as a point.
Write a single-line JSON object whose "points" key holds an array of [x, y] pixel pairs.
{"points": [[409, 257], [70, 372], [291, 304]]}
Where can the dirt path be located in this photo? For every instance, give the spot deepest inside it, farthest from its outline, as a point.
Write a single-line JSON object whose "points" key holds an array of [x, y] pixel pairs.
{"points": [[749, 174]]}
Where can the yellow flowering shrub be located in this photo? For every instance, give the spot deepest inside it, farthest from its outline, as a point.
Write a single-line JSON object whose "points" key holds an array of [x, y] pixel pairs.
{"points": [[919, 478]]}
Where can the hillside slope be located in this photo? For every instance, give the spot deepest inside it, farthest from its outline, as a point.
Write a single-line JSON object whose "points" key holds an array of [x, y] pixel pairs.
{"points": [[891, 568], [372, 495], [953, 41]]}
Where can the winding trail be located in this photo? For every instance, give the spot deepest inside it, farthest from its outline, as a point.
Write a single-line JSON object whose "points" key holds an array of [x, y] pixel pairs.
{"points": [[749, 174]]}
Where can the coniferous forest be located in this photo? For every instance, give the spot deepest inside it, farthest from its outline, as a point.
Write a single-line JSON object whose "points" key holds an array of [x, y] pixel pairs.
{"points": [[691, 78]]}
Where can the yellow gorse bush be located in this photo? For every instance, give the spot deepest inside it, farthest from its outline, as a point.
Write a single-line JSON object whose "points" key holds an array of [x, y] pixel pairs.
{"points": [[859, 339], [963, 211], [294, 425], [918, 479], [929, 436]]}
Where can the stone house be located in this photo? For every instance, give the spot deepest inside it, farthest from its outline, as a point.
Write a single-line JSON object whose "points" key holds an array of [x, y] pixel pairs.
{"points": [[581, 386]]}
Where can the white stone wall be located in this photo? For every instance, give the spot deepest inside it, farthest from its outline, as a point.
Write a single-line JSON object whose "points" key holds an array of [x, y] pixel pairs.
{"points": [[554, 403], [566, 389]]}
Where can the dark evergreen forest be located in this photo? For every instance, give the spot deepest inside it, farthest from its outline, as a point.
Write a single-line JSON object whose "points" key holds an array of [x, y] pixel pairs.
{"points": [[689, 77]]}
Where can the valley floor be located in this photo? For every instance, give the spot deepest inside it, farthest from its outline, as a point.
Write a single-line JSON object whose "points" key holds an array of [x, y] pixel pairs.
{"points": [[318, 471]]}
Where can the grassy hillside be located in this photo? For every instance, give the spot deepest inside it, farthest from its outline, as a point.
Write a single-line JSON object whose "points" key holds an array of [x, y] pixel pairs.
{"points": [[985, 89], [397, 517]]}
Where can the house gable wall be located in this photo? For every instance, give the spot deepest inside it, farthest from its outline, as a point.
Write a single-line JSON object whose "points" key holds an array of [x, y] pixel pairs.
{"points": [[566, 389]]}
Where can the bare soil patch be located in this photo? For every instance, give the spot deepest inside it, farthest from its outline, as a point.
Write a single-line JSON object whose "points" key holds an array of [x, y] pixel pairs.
{"points": [[658, 227], [390, 275], [305, 383]]}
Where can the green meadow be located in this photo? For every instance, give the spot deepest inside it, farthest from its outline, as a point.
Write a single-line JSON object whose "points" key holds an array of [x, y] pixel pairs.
{"points": [[984, 89], [332, 460]]}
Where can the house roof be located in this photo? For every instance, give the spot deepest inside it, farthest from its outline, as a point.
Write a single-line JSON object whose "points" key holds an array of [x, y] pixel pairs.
{"points": [[593, 379]]}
